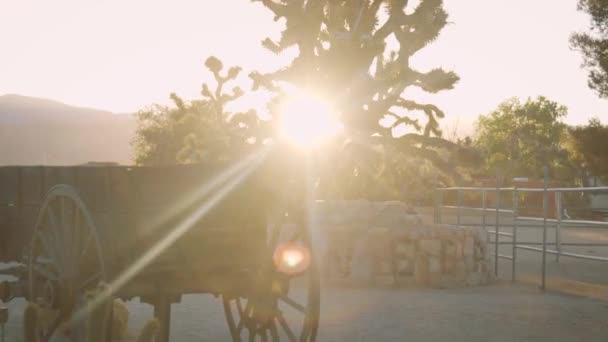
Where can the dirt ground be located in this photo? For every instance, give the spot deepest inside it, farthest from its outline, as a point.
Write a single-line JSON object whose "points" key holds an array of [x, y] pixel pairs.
{"points": [[500, 312], [495, 313]]}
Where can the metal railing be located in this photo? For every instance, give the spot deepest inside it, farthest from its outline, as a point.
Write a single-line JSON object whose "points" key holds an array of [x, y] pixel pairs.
{"points": [[493, 229]]}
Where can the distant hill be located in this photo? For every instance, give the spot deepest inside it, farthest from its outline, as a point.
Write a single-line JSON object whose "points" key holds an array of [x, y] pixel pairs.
{"points": [[36, 131]]}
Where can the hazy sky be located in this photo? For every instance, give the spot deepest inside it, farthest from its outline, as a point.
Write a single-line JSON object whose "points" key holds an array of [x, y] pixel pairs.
{"points": [[121, 55]]}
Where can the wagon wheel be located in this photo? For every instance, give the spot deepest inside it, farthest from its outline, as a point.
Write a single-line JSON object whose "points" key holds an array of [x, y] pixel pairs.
{"points": [[65, 258], [285, 302]]}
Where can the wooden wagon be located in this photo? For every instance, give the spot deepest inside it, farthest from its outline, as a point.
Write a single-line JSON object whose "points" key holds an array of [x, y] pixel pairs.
{"points": [[157, 233]]}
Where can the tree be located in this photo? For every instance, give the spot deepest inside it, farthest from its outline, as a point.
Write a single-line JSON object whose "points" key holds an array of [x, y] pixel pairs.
{"points": [[519, 139], [588, 149], [357, 54], [594, 45], [199, 130]]}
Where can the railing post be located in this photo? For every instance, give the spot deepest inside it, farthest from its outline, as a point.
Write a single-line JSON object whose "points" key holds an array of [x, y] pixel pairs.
{"points": [[440, 207], [435, 203], [483, 216], [459, 206], [497, 227], [545, 213], [515, 214], [558, 230]]}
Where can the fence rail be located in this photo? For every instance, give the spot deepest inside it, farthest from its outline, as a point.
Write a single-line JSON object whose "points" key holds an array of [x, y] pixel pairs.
{"points": [[558, 222]]}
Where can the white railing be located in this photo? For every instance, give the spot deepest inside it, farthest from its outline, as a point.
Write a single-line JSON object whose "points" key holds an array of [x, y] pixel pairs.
{"points": [[517, 221]]}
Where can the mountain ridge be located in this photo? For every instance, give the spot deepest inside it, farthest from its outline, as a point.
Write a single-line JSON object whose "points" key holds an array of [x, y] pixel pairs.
{"points": [[39, 131]]}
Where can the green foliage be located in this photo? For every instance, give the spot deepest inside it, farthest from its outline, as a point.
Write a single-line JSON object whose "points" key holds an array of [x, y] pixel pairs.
{"points": [[345, 55], [519, 139], [587, 145], [594, 45], [199, 130]]}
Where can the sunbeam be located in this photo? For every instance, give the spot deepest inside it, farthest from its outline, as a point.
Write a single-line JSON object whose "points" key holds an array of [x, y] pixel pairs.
{"points": [[254, 161], [189, 199]]}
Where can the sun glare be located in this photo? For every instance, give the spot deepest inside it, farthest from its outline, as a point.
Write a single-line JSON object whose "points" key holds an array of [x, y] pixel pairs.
{"points": [[308, 121]]}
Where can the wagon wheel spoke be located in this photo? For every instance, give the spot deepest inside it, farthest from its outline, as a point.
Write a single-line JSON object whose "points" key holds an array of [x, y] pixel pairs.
{"points": [[91, 281], [239, 307], [272, 326], [64, 238], [57, 322], [45, 261], [87, 244], [239, 328], [75, 250], [57, 237], [286, 328], [243, 315], [47, 274], [46, 245], [294, 304], [66, 228], [63, 220], [263, 333], [298, 321]]}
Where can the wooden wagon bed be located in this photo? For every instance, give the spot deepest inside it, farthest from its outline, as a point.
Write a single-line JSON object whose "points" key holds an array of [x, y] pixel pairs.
{"points": [[76, 226]]}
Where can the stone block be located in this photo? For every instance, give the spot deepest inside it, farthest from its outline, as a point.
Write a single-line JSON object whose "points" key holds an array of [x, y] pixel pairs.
{"points": [[430, 247], [459, 249], [421, 271], [405, 267], [449, 250], [469, 262], [405, 250], [434, 280], [450, 281], [449, 265], [424, 254], [434, 265], [474, 279], [460, 269], [469, 246]]}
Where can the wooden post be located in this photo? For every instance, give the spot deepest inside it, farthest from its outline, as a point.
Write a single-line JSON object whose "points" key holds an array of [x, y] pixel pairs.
{"points": [[515, 215], [162, 311], [459, 205], [545, 213], [497, 225], [3, 320], [483, 215], [161, 301], [558, 232]]}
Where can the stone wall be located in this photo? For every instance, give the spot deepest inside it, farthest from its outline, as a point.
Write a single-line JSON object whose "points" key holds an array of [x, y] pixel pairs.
{"points": [[376, 240]]}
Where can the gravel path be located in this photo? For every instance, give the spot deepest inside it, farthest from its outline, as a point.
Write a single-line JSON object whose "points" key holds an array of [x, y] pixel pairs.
{"points": [[494, 313]]}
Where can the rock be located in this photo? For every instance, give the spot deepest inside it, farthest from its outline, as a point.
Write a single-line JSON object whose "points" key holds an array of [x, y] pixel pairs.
{"points": [[459, 249], [469, 262], [474, 279], [469, 246], [434, 265], [421, 270], [431, 247], [449, 249], [372, 239], [405, 267]]}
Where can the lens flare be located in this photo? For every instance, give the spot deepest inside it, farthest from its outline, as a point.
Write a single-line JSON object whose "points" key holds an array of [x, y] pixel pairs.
{"points": [[291, 258]]}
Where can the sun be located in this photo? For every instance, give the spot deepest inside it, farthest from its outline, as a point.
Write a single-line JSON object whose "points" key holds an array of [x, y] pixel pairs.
{"points": [[308, 121]]}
